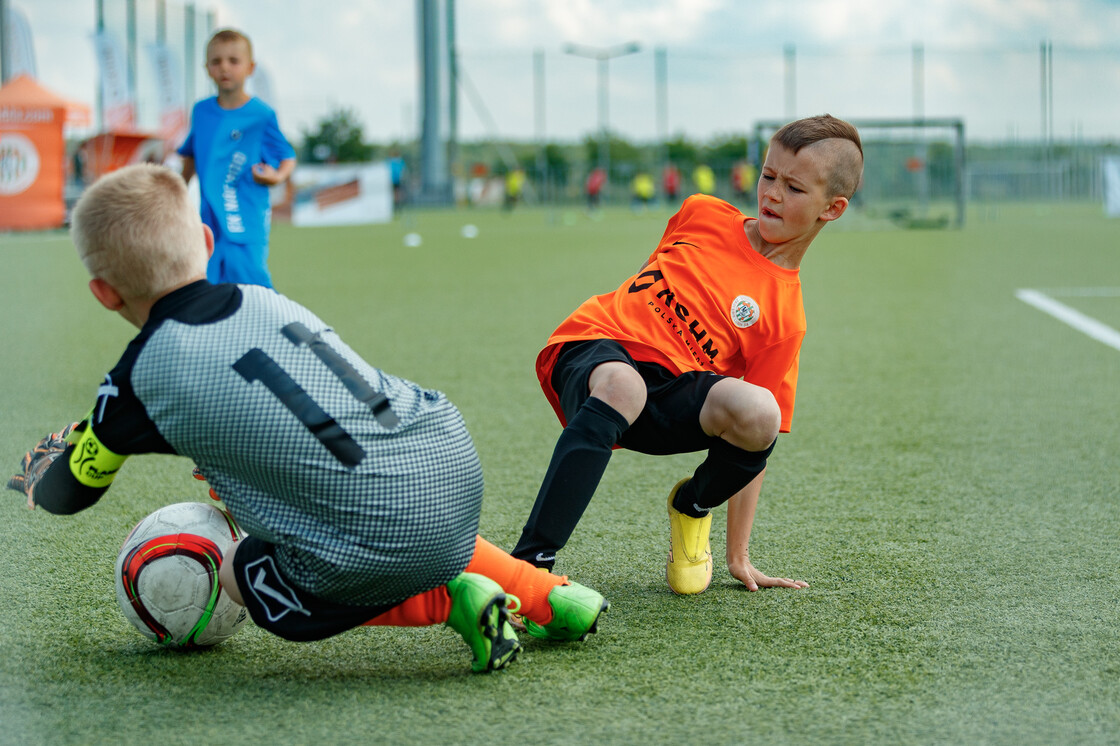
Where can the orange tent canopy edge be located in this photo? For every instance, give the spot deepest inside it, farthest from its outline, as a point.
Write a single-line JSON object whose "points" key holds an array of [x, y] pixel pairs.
{"points": [[23, 90]]}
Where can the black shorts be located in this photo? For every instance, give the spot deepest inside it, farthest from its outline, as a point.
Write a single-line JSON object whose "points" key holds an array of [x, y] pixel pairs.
{"points": [[283, 609], [670, 421]]}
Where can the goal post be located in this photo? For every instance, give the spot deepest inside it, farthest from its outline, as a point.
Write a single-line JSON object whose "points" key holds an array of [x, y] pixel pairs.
{"points": [[914, 169]]}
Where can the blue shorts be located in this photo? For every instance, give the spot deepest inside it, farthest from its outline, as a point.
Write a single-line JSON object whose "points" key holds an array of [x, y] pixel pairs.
{"points": [[244, 264]]}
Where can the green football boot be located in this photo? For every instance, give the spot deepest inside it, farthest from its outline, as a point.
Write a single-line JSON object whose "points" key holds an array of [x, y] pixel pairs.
{"points": [[575, 614], [478, 613]]}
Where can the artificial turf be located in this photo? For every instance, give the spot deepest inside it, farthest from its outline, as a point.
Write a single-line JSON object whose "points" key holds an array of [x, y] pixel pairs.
{"points": [[950, 490]]}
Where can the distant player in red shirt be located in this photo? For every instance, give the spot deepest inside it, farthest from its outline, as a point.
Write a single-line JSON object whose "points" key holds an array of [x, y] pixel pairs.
{"points": [[671, 182], [596, 180], [698, 351]]}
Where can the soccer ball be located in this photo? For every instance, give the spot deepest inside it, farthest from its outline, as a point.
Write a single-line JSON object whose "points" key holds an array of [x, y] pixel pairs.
{"points": [[167, 576]]}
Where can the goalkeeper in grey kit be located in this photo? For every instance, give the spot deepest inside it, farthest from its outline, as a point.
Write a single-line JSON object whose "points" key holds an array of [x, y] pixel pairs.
{"points": [[360, 491]]}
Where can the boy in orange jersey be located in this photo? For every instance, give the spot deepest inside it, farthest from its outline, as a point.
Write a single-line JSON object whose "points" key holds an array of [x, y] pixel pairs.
{"points": [[698, 351]]}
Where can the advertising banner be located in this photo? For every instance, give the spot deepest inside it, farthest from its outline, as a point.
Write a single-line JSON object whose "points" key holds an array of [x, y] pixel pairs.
{"points": [[342, 194]]}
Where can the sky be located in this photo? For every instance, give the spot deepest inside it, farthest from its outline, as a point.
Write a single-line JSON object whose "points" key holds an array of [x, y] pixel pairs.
{"points": [[729, 63]]}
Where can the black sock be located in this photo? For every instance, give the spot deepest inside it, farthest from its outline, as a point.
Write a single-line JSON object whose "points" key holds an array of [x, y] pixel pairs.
{"points": [[724, 472], [578, 462]]}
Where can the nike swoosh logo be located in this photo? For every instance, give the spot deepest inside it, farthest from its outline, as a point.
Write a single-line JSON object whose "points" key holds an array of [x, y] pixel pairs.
{"points": [[542, 557], [261, 586], [685, 243]]}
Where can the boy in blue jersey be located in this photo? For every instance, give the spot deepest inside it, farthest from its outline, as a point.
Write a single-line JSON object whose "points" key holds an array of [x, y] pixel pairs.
{"points": [[359, 491], [236, 148]]}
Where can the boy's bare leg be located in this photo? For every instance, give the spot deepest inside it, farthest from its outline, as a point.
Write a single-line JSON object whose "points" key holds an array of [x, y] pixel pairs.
{"points": [[745, 418], [745, 415], [740, 517]]}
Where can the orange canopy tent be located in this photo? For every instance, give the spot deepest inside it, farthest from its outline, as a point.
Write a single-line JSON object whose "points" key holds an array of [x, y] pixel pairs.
{"points": [[33, 154], [109, 151]]}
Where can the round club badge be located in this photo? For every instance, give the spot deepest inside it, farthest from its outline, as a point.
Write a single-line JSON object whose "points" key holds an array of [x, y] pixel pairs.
{"points": [[744, 312]]}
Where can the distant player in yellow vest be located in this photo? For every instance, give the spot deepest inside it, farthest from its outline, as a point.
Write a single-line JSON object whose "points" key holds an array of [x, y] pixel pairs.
{"points": [[643, 190], [705, 179]]}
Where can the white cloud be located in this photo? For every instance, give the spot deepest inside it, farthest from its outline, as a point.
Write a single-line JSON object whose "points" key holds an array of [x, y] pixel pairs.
{"points": [[607, 23], [726, 60]]}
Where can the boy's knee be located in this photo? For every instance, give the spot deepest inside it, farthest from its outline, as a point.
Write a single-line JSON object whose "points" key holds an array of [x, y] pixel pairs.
{"points": [[620, 386], [761, 423], [745, 415]]}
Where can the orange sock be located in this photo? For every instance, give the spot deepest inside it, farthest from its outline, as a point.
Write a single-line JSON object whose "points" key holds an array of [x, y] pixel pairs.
{"points": [[427, 608], [530, 585], [518, 577]]}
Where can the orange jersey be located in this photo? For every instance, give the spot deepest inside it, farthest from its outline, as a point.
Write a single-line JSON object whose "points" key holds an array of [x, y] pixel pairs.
{"points": [[706, 300]]}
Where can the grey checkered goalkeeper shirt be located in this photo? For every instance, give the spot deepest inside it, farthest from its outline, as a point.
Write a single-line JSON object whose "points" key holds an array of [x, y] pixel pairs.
{"points": [[368, 484]]}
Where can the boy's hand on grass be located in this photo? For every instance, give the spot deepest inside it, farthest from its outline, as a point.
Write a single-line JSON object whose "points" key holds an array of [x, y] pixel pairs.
{"points": [[743, 571]]}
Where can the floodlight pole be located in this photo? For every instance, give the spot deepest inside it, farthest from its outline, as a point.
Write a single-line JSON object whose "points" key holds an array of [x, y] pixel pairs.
{"points": [[189, 61], [434, 24], [661, 94], [603, 55]]}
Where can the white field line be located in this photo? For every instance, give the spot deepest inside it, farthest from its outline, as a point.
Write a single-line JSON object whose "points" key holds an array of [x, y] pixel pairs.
{"points": [[1081, 292], [1079, 321]]}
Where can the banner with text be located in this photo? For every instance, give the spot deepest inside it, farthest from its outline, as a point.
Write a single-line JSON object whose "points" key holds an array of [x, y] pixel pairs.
{"points": [[342, 194]]}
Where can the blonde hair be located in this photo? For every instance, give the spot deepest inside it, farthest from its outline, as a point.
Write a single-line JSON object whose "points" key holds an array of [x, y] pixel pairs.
{"points": [[845, 165], [227, 35], [137, 230]]}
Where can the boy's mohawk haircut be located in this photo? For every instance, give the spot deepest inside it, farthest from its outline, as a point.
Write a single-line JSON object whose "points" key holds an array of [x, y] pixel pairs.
{"points": [[803, 132], [845, 168]]}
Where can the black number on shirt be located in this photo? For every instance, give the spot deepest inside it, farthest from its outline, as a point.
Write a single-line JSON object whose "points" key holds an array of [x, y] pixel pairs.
{"points": [[256, 365], [298, 334]]}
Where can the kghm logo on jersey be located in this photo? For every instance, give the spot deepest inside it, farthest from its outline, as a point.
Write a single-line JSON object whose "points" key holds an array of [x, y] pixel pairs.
{"points": [[676, 314], [744, 312]]}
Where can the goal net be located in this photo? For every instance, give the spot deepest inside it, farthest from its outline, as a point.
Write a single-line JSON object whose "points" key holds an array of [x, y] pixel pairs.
{"points": [[913, 173]]}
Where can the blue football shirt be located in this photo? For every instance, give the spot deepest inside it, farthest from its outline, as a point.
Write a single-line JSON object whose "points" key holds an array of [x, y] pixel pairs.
{"points": [[225, 144]]}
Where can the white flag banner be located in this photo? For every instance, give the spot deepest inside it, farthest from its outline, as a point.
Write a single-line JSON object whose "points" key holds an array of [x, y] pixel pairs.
{"points": [[173, 120], [118, 109], [1111, 168], [21, 47]]}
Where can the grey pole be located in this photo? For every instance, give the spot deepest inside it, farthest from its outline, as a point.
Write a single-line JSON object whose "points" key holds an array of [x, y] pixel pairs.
{"points": [[603, 55], [5, 47]]}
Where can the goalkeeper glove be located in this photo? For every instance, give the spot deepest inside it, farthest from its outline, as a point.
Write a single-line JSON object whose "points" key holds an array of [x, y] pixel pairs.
{"points": [[36, 461]]}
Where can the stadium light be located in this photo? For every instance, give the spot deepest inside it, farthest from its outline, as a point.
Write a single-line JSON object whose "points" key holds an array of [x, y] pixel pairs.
{"points": [[603, 55]]}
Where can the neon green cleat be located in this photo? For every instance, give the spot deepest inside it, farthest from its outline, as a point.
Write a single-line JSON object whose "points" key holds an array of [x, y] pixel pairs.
{"points": [[689, 567], [478, 613], [575, 614]]}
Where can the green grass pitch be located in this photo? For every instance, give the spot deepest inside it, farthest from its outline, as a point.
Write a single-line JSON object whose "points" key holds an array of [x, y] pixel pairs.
{"points": [[950, 490]]}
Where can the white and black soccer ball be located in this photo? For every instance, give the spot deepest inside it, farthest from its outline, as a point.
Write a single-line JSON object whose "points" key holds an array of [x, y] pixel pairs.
{"points": [[167, 576]]}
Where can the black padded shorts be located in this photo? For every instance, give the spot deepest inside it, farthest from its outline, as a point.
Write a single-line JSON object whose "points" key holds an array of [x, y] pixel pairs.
{"points": [[670, 421], [281, 608]]}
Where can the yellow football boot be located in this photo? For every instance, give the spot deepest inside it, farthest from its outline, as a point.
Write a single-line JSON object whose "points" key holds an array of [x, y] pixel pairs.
{"points": [[689, 567]]}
